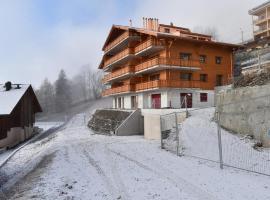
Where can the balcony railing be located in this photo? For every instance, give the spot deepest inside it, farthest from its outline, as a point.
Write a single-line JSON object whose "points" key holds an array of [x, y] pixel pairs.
{"points": [[260, 19], [167, 84], [119, 40], [118, 73], [261, 30], [148, 43], [167, 62], [119, 56], [118, 90]]}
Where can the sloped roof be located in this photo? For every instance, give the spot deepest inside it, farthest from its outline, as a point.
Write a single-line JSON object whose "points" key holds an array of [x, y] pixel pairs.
{"points": [[259, 8], [163, 35], [9, 99]]}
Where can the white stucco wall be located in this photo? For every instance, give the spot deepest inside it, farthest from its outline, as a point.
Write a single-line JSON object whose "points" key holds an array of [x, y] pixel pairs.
{"points": [[169, 98], [127, 102]]}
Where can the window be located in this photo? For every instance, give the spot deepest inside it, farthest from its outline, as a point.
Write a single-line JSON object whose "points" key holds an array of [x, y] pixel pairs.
{"points": [[218, 60], [186, 76], [185, 56], [167, 30], [219, 80], [154, 77], [203, 97], [134, 102], [203, 77], [202, 58]]}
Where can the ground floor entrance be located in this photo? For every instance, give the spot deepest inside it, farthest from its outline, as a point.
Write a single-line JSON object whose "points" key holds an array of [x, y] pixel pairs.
{"points": [[161, 99], [186, 98], [156, 101]]}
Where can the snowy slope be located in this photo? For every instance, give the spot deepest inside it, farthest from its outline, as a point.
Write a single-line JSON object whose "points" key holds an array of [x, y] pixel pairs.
{"points": [[199, 138]]}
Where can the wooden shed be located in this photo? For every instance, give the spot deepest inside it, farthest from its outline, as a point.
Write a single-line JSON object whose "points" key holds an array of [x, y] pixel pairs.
{"points": [[18, 106]]}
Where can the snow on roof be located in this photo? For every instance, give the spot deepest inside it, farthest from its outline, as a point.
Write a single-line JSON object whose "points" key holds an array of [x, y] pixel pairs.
{"points": [[9, 99]]}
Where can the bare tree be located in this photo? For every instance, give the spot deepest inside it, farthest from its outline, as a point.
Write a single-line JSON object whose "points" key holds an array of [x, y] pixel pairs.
{"points": [[212, 31], [96, 86]]}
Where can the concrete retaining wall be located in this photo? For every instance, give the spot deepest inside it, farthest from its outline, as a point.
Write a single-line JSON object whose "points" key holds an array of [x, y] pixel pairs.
{"points": [[246, 111], [152, 129], [133, 125]]}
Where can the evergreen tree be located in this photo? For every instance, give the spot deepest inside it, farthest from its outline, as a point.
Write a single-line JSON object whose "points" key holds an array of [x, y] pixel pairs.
{"points": [[62, 92], [46, 96]]}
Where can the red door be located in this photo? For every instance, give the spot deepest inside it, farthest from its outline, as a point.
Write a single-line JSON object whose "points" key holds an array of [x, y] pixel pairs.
{"points": [[156, 101], [189, 100]]}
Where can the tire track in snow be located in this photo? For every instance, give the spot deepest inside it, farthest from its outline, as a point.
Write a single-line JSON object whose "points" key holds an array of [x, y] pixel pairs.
{"points": [[116, 176], [106, 179], [172, 177]]}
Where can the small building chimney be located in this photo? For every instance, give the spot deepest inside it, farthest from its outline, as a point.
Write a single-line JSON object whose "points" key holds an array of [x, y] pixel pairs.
{"points": [[18, 86], [130, 22], [8, 86]]}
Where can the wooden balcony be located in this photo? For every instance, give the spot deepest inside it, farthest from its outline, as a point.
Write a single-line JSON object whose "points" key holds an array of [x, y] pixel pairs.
{"points": [[119, 59], [260, 19], [119, 74], [120, 42], [157, 64], [148, 47], [119, 90], [158, 84]]}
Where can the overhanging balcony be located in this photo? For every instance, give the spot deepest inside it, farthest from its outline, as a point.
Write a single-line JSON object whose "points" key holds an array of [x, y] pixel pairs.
{"points": [[160, 84], [119, 59], [122, 73], [148, 47], [118, 90], [260, 31], [157, 64], [260, 19], [121, 42]]}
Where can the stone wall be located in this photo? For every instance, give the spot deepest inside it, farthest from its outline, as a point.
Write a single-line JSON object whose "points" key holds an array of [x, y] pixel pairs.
{"points": [[246, 111]]}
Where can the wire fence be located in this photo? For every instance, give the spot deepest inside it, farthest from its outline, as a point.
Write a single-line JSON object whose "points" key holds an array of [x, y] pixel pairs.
{"points": [[201, 135]]}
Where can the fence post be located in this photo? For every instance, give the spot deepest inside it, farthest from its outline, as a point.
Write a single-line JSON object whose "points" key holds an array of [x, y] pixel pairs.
{"points": [[219, 140], [177, 134], [161, 139], [186, 106]]}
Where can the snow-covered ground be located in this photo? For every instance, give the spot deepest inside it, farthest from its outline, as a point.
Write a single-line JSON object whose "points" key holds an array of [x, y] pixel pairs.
{"points": [[199, 138], [48, 125], [74, 163]]}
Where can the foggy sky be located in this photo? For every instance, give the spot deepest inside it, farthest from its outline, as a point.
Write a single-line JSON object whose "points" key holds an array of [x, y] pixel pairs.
{"points": [[39, 37]]}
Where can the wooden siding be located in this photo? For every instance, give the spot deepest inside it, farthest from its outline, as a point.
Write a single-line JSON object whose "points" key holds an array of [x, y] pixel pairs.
{"points": [[23, 114]]}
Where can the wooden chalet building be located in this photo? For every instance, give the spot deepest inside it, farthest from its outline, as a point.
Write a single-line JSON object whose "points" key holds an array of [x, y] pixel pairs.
{"points": [[18, 106], [159, 65]]}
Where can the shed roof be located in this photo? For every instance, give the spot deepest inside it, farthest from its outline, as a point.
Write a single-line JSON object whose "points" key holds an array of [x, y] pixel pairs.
{"points": [[9, 99]]}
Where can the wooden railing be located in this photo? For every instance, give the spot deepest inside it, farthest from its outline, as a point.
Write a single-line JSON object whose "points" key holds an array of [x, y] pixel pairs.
{"points": [[117, 90], [119, 56], [146, 44], [167, 84], [119, 39], [117, 73], [168, 62]]}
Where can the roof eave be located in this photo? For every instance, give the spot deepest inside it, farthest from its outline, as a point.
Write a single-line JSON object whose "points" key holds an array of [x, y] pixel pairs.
{"points": [[259, 8]]}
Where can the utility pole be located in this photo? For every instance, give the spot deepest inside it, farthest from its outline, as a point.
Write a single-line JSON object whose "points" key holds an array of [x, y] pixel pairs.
{"points": [[242, 34]]}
